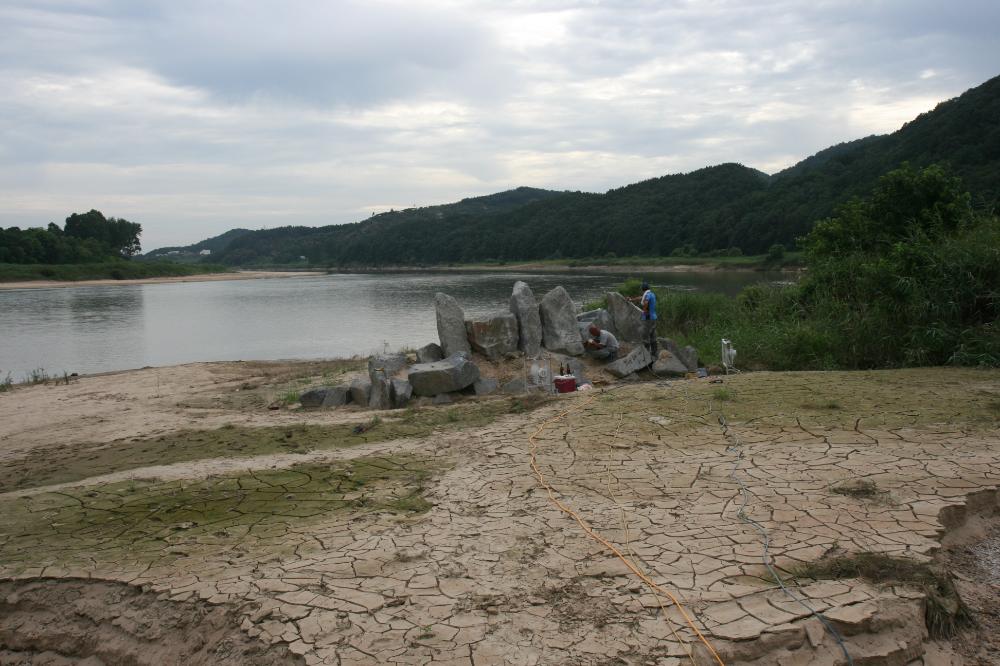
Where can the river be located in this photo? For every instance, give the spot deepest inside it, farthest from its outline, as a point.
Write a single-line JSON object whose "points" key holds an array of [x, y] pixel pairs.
{"points": [[88, 329]]}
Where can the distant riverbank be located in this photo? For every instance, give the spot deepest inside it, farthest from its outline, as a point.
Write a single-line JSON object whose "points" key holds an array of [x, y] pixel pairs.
{"points": [[200, 277]]}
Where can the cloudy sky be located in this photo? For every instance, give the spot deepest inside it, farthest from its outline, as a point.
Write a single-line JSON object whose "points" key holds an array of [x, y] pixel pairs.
{"points": [[194, 117]]}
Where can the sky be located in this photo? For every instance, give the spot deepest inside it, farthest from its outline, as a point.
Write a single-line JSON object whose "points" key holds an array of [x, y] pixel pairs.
{"points": [[193, 117]]}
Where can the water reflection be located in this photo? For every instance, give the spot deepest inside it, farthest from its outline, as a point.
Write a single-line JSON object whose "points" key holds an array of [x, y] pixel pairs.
{"points": [[101, 328]]}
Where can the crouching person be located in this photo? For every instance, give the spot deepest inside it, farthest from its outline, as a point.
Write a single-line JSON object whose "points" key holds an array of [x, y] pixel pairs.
{"points": [[601, 344]]}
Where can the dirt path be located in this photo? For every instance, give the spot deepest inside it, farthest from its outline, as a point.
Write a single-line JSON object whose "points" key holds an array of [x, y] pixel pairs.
{"points": [[445, 549]]}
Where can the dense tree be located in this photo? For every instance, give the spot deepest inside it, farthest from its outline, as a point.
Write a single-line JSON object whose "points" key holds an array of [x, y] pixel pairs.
{"points": [[87, 238]]}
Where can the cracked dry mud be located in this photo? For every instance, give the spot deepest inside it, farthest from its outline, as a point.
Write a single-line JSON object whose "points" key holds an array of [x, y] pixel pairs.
{"points": [[442, 546]]}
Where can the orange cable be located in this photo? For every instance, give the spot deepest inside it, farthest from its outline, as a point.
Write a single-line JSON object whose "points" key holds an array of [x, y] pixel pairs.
{"points": [[597, 537]]}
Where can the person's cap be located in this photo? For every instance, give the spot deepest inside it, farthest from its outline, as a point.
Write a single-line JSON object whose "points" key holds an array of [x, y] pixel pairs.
{"points": [[645, 285]]}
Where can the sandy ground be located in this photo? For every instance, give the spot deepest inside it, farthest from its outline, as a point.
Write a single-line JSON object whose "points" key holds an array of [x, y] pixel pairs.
{"points": [[207, 277], [441, 542]]}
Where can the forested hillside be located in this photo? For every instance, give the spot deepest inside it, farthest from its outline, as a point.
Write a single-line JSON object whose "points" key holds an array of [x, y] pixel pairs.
{"points": [[715, 208]]}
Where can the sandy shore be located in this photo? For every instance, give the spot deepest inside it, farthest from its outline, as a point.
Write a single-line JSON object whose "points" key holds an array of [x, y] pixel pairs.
{"points": [[205, 277]]}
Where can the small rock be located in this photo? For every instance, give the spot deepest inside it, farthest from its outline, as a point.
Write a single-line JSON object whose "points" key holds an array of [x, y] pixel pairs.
{"points": [[452, 374], [390, 364], [429, 353]]}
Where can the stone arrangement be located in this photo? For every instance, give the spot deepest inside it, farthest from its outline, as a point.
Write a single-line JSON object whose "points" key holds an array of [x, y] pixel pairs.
{"points": [[525, 329]]}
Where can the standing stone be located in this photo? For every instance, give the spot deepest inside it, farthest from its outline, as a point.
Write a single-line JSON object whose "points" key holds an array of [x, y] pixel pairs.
{"points": [[381, 392], [361, 389], [402, 391], [452, 374], [429, 353], [525, 309], [451, 325], [689, 355], [637, 360], [493, 335], [560, 330], [626, 317], [390, 364]]}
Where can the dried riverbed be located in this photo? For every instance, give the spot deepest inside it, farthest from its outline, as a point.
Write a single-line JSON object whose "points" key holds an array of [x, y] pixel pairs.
{"points": [[429, 539]]}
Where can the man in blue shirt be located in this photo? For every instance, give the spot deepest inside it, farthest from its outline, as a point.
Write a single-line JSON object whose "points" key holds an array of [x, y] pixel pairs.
{"points": [[648, 304]]}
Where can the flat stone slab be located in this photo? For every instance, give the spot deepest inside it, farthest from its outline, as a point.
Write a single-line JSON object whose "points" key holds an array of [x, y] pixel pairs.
{"points": [[452, 374], [636, 360], [327, 396]]}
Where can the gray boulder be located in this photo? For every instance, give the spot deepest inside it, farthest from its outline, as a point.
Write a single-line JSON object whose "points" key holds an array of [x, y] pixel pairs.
{"points": [[638, 359], [626, 317], [560, 330], [493, 335], [689, 355], [360, 390], [390, 364], [441, 399], [429, 353], [525, 309], [601, 318], [669, 345], [668, 365], [485, 386], [452, 374], [402, 391], [380, 396], [327, 396], [450, 325]]}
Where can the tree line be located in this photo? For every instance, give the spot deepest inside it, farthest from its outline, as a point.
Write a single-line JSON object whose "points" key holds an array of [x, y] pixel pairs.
{"points": [[85, 238]]}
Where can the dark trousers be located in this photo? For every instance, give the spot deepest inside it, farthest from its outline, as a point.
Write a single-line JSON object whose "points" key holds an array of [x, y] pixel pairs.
{"points": [[649, 335]]}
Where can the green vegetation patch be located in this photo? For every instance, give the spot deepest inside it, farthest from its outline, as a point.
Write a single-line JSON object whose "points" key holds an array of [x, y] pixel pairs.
{"points": [[945, 613], [43, 467], [149, 520], [103, 270]]}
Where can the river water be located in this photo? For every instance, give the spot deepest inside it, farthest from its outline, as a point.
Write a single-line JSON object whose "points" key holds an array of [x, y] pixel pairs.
{"points": [[88, 329]]}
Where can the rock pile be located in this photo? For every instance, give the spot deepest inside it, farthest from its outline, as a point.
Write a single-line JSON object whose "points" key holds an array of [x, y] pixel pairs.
{"points": [[528, 327]]}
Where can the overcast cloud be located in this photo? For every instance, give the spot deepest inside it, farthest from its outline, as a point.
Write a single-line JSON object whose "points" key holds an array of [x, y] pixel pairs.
{"points": [[195, 117]]}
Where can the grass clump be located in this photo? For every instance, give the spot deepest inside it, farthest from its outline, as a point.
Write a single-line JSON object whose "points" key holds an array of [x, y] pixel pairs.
{"points": [[945, 612], [152, 520], [723, 395], [7, 383], [861, 489]]}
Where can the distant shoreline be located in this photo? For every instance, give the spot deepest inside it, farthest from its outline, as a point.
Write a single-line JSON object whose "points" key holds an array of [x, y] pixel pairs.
{"points": [[203, 277], [537, 267]]}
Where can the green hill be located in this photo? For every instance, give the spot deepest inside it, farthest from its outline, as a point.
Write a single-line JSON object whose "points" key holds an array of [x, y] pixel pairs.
{"points": [[714, 208]]}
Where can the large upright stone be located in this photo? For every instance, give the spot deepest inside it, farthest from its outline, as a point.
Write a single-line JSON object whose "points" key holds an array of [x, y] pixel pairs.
{"points": [[689, 355], [525, 308], [493, 335], [381, 393], [450, 325], [452, 374], [402, 391], [626, 317], [635, 361], [560, 330], [360, 389]]}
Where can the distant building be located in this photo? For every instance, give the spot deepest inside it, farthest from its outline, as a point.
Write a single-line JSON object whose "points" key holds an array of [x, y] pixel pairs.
{"points": [[174, 252], [205, 253]]}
